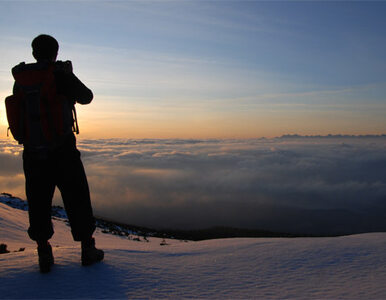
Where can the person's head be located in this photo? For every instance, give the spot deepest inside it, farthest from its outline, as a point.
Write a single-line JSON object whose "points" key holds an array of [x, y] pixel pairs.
{"points": [[45, 47]]}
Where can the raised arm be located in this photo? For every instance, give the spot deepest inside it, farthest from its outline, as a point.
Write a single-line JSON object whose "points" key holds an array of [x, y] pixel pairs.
{"points": [[70, 86]]}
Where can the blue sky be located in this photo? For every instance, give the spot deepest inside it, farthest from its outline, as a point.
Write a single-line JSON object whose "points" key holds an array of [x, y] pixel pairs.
{"points": [[165, 69], [216, 69]]}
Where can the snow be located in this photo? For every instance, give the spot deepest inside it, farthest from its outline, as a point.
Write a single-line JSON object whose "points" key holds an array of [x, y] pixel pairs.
{"points": [[348, 267]]}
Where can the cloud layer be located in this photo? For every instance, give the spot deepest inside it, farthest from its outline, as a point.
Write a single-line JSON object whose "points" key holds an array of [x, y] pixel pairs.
{"points": [[309, 185]]}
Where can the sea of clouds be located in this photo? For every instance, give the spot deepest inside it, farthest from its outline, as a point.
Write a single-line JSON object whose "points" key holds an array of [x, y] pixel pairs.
{"points": [[319, 185]]}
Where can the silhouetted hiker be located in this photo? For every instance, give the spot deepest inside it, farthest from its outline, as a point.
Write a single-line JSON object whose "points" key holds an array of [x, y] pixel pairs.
{"points": [[44, 95]]}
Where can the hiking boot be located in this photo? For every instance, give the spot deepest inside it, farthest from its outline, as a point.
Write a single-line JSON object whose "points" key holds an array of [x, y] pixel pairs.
{"points": [[46, 259], [90, 254]]}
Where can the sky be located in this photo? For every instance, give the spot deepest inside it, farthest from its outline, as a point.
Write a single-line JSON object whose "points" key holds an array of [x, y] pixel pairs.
{"points": [[184, 91], [212, 69]]}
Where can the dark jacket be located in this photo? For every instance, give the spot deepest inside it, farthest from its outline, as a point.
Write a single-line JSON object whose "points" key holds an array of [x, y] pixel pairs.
{"points": [[68, 85]]}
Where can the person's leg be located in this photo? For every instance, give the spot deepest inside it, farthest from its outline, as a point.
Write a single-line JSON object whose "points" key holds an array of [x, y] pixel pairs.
{"points": [[40, 188], [73, 185]]}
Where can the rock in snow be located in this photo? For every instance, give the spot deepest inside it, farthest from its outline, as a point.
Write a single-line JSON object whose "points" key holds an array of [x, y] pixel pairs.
{"points": [[352, 267]]}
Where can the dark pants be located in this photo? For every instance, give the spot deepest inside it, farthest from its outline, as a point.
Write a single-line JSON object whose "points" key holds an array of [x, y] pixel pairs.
{"points": [[44, 170]]}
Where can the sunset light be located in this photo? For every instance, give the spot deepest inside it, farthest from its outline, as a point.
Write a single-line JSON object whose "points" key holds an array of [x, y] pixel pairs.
{"points": [[204, 149], [253, 114], [187, 69]]}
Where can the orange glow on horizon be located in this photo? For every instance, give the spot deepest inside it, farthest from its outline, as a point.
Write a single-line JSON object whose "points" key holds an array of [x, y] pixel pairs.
{"points": [[119, 119]]}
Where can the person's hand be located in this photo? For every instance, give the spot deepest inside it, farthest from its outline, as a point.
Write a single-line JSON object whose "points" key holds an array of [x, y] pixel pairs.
{"points": [[64, 66]]}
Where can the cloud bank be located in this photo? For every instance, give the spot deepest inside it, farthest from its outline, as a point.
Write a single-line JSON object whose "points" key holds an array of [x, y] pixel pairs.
{"points": [[293, 184]]}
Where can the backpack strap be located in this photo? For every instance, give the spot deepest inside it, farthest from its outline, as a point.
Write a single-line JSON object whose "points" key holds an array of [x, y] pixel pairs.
{"points": [[75, 126]]}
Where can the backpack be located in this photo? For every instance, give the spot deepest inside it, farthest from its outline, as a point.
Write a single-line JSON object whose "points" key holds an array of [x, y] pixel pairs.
{"points": [[37, 115]]}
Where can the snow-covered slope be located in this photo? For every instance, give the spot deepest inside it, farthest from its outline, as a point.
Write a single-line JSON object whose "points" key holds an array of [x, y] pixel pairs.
{"points": [[350, 267]]}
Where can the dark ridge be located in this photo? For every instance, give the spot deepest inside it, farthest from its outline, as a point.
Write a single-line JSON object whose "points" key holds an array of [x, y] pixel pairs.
{"points": [[221, 232], [218, 232], [289, 136], [128, 231]]}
